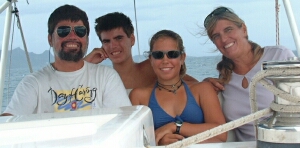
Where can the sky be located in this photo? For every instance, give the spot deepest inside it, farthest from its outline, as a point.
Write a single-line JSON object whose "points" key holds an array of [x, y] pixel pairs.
{"points": [[184, 17]]}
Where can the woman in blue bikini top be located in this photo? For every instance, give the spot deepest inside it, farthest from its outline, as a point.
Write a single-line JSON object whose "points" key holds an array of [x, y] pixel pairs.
{"points": [[178, 110]]}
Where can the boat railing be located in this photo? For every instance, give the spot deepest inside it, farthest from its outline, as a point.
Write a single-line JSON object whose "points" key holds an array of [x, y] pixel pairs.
{"points": [[293, 24], [6, 34], [10, 10]]}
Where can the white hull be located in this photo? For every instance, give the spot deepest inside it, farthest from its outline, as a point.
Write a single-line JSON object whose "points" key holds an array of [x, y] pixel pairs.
{"points": [[107, 127]]}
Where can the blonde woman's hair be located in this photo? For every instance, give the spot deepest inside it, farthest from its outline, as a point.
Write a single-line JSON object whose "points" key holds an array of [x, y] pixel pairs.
{"points": [[226, 65]]}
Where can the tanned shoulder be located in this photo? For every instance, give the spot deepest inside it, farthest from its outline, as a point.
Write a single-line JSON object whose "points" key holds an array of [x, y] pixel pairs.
{"points": [[140, 96]]}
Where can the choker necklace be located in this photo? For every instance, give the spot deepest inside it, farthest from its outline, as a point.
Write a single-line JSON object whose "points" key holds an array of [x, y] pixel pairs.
{"points": [[161, 86]]}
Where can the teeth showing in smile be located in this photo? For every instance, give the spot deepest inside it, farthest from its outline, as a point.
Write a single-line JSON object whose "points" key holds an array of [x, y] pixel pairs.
{"points": [[115, 53], [71, 45], [165, 69], [229, 45]]}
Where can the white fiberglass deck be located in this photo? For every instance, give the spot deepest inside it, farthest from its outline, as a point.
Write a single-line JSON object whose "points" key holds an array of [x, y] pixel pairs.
{"points": [[107, 127]]}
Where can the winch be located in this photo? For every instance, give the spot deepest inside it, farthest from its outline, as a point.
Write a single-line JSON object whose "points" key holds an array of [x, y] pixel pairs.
{"points": [[282, 129]]}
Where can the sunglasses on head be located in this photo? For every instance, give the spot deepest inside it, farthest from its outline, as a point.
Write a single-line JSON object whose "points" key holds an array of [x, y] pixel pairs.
{"points": [[63, 31], [216, 12], [172, 54]]}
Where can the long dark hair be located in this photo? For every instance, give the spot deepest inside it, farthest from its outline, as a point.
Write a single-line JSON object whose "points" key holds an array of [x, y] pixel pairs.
{"points": [[226, 65]]}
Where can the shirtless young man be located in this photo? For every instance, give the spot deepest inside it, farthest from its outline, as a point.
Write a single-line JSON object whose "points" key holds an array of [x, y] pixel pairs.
{"points": [[116, 33]]}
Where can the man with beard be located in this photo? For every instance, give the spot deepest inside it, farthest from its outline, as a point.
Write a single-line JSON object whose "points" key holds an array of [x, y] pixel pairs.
{"points": [[70, 83]]}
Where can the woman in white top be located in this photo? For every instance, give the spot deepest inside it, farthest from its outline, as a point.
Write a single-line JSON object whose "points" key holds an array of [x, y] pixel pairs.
{"points": [[241, 60]]}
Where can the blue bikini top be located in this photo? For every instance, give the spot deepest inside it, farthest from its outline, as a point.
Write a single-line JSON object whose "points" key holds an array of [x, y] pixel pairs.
{"points": [[192, 112]]}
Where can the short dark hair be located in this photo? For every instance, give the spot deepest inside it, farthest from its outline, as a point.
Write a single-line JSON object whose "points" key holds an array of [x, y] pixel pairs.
{"points": [[67, 12], [113, 20]]}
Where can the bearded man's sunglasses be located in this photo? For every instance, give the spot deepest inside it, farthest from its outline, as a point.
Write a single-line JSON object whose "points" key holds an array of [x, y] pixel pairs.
{"points": [[63, 31]]}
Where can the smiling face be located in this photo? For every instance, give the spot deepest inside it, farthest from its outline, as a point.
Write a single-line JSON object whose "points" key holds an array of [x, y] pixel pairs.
{"points": [[71, 47], [117, 44], [167, 69], [229, 38]]}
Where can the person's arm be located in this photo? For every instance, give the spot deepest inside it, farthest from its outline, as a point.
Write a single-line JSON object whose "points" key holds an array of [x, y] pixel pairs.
{"points": [[218, 86], [135, 96], [96, 56], [213, 115], [140, 96], [189, 79], [24, 100], [168, 139], [165, 134]]}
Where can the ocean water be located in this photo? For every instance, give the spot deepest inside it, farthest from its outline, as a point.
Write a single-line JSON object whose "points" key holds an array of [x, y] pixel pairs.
{"points": [[198, 67]]}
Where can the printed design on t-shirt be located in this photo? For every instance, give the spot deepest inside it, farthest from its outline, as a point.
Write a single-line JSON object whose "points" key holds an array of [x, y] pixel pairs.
{"points": [[80, 98]]}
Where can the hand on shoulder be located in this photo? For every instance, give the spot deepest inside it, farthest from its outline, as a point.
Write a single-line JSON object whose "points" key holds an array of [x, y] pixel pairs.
{"points": [[96, 56], [202, 87], [189, 80], [218, 86]]}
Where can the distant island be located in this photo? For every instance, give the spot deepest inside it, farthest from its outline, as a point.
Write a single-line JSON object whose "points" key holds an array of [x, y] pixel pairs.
{"points": [[18, 59]]}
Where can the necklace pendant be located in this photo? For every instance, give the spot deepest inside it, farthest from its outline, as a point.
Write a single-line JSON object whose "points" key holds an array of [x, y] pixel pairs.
{"points": [[174, 91]]}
